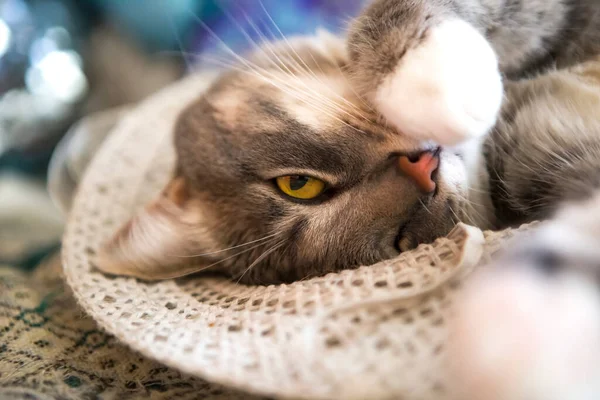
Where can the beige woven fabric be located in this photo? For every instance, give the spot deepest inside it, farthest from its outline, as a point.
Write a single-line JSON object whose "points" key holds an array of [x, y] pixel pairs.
{"points": [[373, 332]]}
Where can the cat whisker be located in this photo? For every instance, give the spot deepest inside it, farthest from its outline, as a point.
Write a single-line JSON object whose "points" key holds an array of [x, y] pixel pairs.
{"points": [[323, 100], [222, 62], [220, 42], [472, 209], [233, 247], [457, 218], [425, 207], [475, 190], [276, 62], [262, 257], [206, 267], [306, 67], [476, 209], [360, 97], [259, 72]]}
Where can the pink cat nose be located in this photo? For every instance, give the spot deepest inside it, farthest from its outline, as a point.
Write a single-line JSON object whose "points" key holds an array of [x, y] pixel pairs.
{"points": [[420, 169]]}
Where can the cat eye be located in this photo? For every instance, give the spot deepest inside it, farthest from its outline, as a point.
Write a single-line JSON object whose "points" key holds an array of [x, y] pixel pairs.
{"points": [[300, 186]]}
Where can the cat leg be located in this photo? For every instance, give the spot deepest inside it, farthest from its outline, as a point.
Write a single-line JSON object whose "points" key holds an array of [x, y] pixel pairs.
{"points": [[429, 72], [528, 326], [545, 148], [431, 66], [448, 89]]}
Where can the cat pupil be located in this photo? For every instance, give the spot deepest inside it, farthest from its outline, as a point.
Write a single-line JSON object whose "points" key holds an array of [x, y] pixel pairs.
{"points": [[298, 182]]}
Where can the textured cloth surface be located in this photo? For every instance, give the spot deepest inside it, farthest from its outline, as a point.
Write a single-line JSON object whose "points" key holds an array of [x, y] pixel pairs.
{"points": [[373, 332], [49, 349]]}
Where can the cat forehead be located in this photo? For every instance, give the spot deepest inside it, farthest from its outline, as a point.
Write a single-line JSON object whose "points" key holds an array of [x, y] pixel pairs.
{"points": [[318, 100], [295, 124]]}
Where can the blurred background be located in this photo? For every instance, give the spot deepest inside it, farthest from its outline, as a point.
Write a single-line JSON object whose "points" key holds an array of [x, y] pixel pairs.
{"points": [[70, 68]]}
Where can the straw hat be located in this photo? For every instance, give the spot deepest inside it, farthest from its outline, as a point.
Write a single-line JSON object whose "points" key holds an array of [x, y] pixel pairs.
{"points": [[373, 332]]}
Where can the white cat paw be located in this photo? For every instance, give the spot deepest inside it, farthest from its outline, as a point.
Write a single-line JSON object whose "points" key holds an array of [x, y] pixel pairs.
{"points": [[448, 89]]}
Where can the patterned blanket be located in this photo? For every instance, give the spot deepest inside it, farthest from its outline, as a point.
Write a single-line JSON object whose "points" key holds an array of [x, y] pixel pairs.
{"points": [[49, 349]]}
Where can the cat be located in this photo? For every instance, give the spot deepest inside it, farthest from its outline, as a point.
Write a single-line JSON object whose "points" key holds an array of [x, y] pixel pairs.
{"points": [[322, 153]]}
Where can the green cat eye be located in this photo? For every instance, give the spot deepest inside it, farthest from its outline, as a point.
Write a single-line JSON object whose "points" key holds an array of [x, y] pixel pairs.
{"points": [[300, 187]]}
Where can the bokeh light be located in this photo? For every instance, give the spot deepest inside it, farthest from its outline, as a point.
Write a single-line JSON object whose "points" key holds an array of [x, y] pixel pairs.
{"points": [[5, 37], [58, 74]]}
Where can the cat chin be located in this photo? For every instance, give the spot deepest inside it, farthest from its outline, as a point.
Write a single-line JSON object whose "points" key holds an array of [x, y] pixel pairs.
{"points": [[447, 89]]}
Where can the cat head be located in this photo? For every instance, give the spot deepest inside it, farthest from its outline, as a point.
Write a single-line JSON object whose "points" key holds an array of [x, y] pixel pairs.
{"points": [[283, 173]]}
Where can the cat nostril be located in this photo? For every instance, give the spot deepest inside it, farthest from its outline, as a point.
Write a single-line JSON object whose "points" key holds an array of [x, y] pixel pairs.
{"points": [[413, 158], [420, 168]]}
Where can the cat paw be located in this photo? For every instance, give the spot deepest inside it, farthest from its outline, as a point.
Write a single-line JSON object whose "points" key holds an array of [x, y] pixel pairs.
{"points": [[448, 89], [527, 326]]}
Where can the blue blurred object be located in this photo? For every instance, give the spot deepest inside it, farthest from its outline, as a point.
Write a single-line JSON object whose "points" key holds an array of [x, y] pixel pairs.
{"points": [[175, 24], [42, 81], [190, 26], [156, 24], [231, 20]]}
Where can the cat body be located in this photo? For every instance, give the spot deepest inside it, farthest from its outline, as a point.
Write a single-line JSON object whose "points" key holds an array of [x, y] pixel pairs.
{"points": [[501, 93]]}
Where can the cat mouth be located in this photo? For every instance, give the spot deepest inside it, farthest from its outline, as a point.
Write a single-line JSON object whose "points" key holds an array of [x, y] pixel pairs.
{"points": [[405, 240], [404, 243], [429, 220], [417, 230]]}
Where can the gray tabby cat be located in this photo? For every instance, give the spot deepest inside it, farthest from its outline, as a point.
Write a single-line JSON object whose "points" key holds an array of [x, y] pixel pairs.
{"points": [[318, 154]]}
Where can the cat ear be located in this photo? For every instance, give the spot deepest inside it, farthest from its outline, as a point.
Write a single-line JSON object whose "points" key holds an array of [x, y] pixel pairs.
{"points": [[159, 241]]}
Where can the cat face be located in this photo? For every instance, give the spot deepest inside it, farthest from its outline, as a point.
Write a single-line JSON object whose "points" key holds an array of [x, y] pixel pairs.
{"points": [[296, 117]]}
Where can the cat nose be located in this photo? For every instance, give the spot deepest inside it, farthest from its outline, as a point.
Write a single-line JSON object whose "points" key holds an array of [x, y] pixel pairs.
{"points": [[420, 168]]}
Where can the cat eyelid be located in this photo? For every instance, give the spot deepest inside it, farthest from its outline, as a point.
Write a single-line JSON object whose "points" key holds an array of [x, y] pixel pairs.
{"points": [[329, 179]]}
